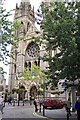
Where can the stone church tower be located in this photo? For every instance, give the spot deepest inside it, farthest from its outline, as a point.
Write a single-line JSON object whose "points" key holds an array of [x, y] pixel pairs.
{"points": [[27, 51]]}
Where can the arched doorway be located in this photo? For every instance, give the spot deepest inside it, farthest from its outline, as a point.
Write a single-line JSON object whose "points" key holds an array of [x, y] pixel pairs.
{"points": [[33, 92], [22, 92]]}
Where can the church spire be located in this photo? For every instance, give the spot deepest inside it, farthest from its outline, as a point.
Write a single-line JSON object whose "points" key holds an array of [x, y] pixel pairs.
{"points": [[23, 9]]}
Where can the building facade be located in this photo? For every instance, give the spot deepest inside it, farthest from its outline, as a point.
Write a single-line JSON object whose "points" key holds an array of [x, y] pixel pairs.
{"points": [[27, 51]]}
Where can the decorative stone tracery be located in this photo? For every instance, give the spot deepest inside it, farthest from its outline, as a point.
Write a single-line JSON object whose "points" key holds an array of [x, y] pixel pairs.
{"points": [[33, 50]]}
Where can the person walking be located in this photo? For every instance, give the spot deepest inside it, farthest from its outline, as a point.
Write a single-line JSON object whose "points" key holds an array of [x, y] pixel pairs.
{"points": [[68, 107], [35, 104], [30, 100], [10, 100], [77, 107], [1, 104]]}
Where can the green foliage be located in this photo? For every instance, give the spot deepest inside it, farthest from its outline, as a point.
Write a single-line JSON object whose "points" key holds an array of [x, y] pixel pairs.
{"points": [[61, 31], [2, 71], [40, 92], [20, 90], [7, 33], [14, 90], [35, 73]]}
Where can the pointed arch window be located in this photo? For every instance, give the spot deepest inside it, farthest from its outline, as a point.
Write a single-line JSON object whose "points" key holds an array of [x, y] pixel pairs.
{"points": [[28, 25], [14, 68], [29, 65], [25, 65], [39, 61], [35, 62]]}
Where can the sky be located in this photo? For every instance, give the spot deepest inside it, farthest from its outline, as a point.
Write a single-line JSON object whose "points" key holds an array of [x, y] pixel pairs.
{"points": [[10, 5]]}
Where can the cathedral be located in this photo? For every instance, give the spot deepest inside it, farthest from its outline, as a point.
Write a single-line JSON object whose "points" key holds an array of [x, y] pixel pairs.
{"points": [[27, 51]]}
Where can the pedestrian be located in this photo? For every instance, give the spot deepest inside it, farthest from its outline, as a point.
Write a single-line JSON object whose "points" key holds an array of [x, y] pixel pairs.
{"points": [[30, 100], [35, 104], [10, 100], [1, 104], [68, 106], [77, 107]]}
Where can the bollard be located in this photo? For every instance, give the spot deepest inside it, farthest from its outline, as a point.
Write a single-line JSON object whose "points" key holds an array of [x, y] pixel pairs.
{"points": [[67, 114], [43, 110]]}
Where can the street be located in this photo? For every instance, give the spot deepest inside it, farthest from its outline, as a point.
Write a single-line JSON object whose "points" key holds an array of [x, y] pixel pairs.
{"points": [[0, 116], [20, 112], [27, 112], [59, 114]]}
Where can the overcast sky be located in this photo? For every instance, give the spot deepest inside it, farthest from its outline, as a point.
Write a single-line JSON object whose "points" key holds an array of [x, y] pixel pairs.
{"points": [[10, 5]]}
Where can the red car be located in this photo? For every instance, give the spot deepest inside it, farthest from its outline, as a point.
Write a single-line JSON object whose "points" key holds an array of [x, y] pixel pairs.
{"points": [[53, 104]]}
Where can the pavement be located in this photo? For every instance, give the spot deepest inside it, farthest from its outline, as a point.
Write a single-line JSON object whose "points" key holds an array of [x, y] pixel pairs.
{"points": [[20, 112], [0, 115], [27, 112], [58, 114]]}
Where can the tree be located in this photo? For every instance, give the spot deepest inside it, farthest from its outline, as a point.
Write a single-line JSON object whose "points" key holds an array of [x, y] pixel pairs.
{"points": [[60, 28], [7, 30], [35, 74], [61, 31]]}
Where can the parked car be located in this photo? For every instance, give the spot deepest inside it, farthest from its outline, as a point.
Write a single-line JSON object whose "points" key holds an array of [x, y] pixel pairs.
{"points": [[53, 104], [41, 100]]}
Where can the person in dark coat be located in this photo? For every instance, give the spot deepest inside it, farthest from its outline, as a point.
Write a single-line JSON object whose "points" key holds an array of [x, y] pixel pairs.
{"points": [[68, 107], [10, 100], [77, 107], [35, 104], [30, 100]]}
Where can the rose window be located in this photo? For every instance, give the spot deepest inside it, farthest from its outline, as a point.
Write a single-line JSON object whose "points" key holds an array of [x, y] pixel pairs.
{"points": [[33, 50]]}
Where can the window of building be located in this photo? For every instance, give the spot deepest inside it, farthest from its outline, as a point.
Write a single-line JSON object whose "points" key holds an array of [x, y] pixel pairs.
{"points": [[35, 63], [14, 68], [33, 50], [29, 65], [28, 25], [25, 64]]}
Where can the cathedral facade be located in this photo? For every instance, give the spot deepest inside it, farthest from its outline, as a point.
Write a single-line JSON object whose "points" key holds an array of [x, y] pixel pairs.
{"points": [[27, 51]]}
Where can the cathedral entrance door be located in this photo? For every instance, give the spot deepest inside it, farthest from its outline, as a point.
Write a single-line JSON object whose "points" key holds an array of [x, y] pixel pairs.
{"points": [[21, 92], [33, 92]]}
